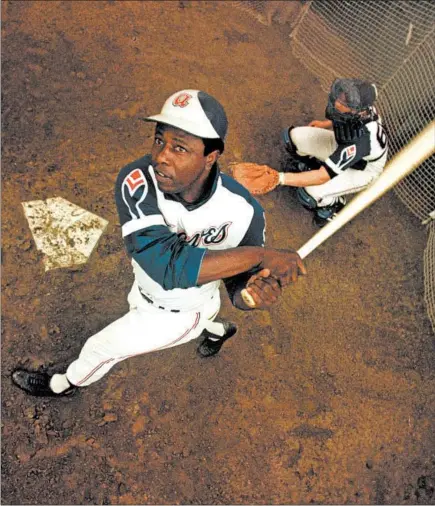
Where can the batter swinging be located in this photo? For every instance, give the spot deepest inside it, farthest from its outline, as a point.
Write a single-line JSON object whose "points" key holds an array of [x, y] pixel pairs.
{"points": [[186, 226]]}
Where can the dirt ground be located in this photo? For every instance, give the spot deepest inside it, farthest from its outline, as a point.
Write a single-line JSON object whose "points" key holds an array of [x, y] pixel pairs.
{"points": [[328, 398]]}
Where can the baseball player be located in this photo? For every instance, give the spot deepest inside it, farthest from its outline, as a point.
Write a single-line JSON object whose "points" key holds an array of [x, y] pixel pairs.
{"points": [[186, 226], [328, 164]]}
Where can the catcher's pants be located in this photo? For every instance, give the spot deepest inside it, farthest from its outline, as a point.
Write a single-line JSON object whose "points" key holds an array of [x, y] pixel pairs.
{"points": [[321, 143], [143, 329]]}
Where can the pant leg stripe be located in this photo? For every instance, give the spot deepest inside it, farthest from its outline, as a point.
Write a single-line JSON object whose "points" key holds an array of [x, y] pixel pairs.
{"points": [[101, 364], [94, 370]]}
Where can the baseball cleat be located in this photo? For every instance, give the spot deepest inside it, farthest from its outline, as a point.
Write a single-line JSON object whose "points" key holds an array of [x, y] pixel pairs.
{"points": [[212, 343], [325, 214], [37, 383]]}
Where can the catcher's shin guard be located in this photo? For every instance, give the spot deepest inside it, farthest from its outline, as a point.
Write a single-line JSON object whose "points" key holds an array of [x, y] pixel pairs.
{"points": [[306, 199], [288, 143]]}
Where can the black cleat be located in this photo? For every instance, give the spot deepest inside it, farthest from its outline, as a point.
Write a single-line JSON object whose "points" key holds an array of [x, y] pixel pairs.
{"points": [[212, 343], [37, 383], [325, 214]]}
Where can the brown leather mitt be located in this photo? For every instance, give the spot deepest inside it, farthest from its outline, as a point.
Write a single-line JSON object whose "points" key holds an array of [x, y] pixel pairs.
{"points": [[258, 179]]}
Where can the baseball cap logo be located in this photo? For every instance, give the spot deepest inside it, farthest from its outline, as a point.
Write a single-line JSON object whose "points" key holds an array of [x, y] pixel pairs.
{"points": [[181, 100]]}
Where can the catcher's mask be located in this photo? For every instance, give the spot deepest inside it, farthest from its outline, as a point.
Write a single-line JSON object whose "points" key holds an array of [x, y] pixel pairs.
{"points": [[356, 94]]}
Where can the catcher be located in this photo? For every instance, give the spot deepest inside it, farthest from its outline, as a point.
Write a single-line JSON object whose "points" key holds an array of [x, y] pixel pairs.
{"points": [[332, 158]]}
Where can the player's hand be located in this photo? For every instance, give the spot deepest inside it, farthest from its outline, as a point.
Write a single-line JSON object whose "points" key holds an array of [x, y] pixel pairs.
{"points": [[284, 265], [264, 289], [319, 123]]}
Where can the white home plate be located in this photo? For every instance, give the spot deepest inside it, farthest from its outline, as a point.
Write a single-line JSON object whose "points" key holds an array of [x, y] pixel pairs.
{"points": [[64, 232]]}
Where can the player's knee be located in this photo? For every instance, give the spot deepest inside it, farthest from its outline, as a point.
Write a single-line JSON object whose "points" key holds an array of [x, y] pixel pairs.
{"points": [[292, 135], [286, 136], [297, 136]]}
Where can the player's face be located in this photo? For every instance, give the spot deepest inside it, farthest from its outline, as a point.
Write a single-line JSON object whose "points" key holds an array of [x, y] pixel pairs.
{"points": [[179, 162], [340, 105]]}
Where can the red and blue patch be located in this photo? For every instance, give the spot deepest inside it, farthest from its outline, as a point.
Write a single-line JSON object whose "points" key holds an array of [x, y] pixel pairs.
{"points": [[346, 156]]}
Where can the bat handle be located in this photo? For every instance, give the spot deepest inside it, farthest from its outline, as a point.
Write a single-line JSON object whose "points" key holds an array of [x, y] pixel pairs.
{"points": [[247, 298]]}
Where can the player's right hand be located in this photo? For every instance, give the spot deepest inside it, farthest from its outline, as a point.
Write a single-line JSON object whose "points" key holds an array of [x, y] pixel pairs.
{"points": [[284, 265]]}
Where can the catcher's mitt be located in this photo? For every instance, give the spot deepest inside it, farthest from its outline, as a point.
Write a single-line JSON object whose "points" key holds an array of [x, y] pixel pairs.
{"points": [[258, 179]]}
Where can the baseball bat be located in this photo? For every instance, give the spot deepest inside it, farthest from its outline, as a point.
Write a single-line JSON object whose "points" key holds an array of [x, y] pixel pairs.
{"points": [[421, 147]]}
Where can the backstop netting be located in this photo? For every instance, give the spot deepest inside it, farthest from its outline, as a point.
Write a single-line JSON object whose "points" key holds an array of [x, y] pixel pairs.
{"points": [[390, 43]]}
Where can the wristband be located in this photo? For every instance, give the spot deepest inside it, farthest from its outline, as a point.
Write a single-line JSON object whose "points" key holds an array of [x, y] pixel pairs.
{"points": [[281, 178]]}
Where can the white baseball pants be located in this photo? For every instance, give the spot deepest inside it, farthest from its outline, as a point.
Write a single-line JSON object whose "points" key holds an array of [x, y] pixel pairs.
{"points": [[321, 143], [145, 328]]}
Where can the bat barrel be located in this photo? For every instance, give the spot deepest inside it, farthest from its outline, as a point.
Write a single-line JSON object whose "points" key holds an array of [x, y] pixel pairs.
{"points": [[403, 163]]}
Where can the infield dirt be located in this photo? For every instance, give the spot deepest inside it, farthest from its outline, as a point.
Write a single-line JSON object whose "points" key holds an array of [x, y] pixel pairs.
{"points": [[327, 398]]}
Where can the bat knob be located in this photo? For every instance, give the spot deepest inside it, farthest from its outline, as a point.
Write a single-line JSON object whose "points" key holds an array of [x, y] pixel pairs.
{"points": [[247, 298]]}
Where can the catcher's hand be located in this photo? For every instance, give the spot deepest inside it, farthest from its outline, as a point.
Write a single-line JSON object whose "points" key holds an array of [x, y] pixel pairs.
{"points": [[258, 179]]}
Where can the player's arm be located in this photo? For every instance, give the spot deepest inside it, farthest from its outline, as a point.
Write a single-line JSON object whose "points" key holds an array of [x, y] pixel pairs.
{"points": [[308, 178], [167, 258], [264, 279], [162, 254]]}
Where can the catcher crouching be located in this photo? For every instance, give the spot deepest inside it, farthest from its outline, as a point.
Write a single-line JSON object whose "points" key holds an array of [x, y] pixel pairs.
{"points": [[330, 158]]}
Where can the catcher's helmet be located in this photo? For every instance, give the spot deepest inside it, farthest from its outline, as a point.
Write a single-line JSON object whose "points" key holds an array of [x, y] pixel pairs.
{"points": [[356, 94]]}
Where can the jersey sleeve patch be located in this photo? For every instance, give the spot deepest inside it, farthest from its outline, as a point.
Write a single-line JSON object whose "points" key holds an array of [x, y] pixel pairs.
{"points": [[135, 180], [342, 158], [136, 198]]}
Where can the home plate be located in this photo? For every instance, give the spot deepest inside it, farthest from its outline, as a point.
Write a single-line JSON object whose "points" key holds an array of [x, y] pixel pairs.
{"points": [[64, 232]]}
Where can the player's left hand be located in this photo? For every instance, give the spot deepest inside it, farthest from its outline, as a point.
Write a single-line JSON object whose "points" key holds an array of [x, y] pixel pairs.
{"points": [[264, 289]]}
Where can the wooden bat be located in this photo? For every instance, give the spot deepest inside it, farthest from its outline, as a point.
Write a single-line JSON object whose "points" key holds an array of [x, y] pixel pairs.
{"points": [[403, 163]]}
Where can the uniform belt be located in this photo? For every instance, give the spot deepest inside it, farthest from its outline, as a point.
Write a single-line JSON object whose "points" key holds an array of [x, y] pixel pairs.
{"points": [[154, 304]]}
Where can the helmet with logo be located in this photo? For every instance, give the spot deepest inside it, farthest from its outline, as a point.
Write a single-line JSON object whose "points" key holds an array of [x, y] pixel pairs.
{"points": [[195, 112]]}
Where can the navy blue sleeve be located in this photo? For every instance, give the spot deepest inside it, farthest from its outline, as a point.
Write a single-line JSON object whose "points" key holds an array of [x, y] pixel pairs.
{"points": [[347, 155], [162, 254]]}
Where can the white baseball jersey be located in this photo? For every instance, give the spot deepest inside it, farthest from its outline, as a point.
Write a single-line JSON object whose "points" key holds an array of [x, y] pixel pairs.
{"points": [[167, 237]]}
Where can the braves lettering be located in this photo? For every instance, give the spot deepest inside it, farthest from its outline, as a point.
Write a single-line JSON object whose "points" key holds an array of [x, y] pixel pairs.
{"points": [[212, 235]]}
